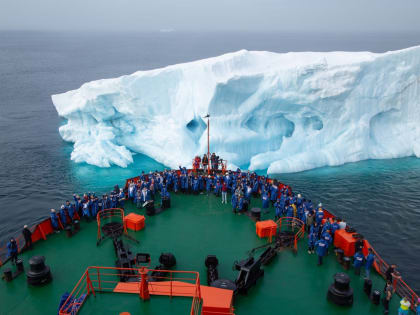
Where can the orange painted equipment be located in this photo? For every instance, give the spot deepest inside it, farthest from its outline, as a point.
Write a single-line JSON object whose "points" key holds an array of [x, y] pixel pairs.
{"points": [[205, 300], [144, 286], [345, 241], [266, 228], [215, 300], [134, 221]]}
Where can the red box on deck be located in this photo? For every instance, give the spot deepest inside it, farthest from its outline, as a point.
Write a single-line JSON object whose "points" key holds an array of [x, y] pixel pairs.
{"points": [[266, 228], [134, 221], [345, 241]]}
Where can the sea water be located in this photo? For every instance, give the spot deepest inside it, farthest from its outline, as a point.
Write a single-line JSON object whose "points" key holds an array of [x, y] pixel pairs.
{"points": [[379, 198]]}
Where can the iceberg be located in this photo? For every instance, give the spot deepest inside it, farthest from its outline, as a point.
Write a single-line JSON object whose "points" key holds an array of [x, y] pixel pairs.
{"points": [[284, 112]]}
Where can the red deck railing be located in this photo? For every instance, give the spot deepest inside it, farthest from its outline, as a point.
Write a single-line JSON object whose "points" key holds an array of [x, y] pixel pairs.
{"points": [[39, 231], [402, 288], [108, 215], [106, 279], [292, 224]]}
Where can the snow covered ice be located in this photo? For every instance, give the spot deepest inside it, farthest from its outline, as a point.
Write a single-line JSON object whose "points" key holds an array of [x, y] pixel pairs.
{"points": [[282, 112]]}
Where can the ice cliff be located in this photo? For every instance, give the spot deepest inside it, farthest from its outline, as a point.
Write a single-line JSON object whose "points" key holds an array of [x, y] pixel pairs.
{"points": [[282, 112]]}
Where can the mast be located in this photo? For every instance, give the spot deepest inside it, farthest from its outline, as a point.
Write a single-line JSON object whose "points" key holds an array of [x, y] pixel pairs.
{"points": [[208, 142]]}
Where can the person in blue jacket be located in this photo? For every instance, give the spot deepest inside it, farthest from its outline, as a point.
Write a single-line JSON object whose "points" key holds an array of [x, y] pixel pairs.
{"points": [[334, 227], [184, 183], [321, 247], [12, 250], [248, 192], [241, 204], [358, 262], [311, 243], [121, 199], [327, 236], [70, 210], [217, 188], [319, 216], [273, 193], [208, 185], [54, 221], [255, 187], [176, 183], [86, 211], [370, 258], [95, 207], [289, 211], [265, 199], [299, 200], [277, 206], [63, 216], [195, 185], [315, 230], [165, 198], [145, 195], [234, 202]]}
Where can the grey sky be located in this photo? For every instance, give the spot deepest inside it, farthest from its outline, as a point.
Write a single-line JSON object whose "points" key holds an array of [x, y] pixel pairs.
{"points": [[197, 15]]}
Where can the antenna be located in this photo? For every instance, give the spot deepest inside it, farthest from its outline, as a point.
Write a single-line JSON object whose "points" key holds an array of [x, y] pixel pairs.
{"points": [[208, 141]]}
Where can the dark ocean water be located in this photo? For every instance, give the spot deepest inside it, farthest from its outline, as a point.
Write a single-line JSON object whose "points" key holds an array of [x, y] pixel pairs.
{"points": [[380, 198]]}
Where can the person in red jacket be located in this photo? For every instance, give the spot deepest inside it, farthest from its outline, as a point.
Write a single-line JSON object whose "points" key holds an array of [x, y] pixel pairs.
{"points": [[224, 192]]}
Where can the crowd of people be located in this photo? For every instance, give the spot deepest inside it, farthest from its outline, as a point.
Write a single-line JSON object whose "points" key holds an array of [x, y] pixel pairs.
{"points": [[244, 187], [214, 161]]}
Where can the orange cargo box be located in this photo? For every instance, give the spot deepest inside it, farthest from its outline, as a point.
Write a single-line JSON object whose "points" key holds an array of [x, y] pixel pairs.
{"points": [[134, 221], [345, 241], [266, 228]]}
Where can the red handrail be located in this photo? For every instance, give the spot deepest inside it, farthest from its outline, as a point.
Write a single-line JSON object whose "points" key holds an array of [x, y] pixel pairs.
{"points": [[402, 288], [109, 214], [103, 279], [292, 222]]}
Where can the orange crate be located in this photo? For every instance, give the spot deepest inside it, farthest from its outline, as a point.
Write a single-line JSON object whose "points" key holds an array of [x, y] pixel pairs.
{"points": [[134, 221], [266, 228]]}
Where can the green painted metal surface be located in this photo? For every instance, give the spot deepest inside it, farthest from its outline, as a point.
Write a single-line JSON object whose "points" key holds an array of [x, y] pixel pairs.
{"points": [[193, 228]]}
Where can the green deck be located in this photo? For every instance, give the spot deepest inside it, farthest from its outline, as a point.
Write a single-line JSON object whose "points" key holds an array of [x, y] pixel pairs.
{"points": [[194, 227]]}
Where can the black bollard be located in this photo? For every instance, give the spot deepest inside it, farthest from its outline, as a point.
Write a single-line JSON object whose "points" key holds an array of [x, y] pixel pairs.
{"points": [[256, 213], [376, 297], [367, 287], [19, 265], [346, 263], [68, 230], [340, 255], [8, 274], [76, 225], [340, 291], [39, 273]]}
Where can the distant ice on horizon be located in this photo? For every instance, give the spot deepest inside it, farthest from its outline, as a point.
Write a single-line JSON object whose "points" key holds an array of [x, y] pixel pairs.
{"points": [[284, 112]]}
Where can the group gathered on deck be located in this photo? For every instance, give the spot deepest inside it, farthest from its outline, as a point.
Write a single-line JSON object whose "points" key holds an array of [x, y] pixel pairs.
{"points": [[244, 188]]}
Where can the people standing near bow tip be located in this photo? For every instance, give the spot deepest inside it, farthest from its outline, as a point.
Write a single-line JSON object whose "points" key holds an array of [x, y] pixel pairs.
{"points": [[205, 161], [27, 235], [12, 250]]}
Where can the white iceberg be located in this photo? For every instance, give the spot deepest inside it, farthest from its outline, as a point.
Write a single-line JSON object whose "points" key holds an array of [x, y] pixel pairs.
{"points": [[282, 112]]}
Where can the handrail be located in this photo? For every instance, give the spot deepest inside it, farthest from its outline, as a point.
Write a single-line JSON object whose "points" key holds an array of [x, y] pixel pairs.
{"points": [[39, 231], [400, 286], [92, 282], [108, 214], [293, 223]]}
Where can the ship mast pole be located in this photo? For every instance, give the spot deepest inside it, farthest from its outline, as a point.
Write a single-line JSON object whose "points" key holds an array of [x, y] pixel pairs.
{"points": [[208, 143]]}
